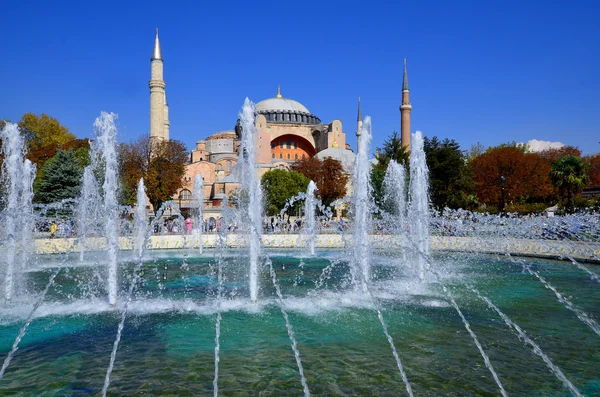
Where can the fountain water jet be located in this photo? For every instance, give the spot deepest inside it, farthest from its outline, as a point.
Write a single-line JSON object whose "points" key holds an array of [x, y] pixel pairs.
{"points": [[395, 196], [87, 210], [309, 213], [418, 207], [140, 218], [198, 197], [535, 348], [362, 205], [105, 151], [289, 329], [17, 174], [251, 195]]}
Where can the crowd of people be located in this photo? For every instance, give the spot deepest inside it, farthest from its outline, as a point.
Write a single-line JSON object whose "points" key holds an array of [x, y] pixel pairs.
{"points": [[178, 225]]}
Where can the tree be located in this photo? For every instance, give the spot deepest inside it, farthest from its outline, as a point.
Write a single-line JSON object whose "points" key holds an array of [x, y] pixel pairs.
{"points": [[569, 175], [551, 155], [450, 179], [525, 176], [392, 149], [81, 148], [40, 131], [59, 179], [522, 147], [279, 186], [476, 150], [327, 174], [593, 169], [160, 163]]}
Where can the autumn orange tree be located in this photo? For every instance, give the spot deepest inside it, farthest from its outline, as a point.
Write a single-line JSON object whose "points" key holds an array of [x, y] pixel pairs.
{"points": [[593, 169], [551, 155], [524, 177], [328, 174], [160, 163]]}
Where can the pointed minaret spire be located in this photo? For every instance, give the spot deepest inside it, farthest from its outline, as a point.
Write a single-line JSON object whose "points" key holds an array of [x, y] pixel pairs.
{"points": [[159, 108], [358, 125], [156, 55], [278, 91], [405, 80]]}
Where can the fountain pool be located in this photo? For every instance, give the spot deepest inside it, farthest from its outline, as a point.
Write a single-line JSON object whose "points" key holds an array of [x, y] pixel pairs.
{"points": [[168, 342]]}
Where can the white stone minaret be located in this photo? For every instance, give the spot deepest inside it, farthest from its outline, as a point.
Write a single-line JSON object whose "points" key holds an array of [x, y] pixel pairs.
{"points": [[159, 111], [167, 122]]}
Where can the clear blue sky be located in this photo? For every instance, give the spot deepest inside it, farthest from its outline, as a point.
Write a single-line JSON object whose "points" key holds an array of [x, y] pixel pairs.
{"points": [[479, 71]]}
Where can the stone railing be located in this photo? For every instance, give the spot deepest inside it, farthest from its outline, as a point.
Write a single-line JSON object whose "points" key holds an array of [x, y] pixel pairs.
{"points": [[526, 247]]}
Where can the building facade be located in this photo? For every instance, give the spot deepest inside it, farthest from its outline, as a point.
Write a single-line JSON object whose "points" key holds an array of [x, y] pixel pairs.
{"points": [[286, 132]]}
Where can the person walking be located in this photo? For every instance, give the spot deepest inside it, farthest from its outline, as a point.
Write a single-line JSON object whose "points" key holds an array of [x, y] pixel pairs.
{"points": [[188, 225], [53, 228]]}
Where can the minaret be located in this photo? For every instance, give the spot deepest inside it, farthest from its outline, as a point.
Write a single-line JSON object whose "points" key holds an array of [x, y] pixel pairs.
{"points": [[158, 99], [405, 109], [166, 116], [358, 126]]}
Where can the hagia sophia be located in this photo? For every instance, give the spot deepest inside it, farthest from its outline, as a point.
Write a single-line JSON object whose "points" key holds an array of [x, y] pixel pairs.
{"points": [[287, 132]]}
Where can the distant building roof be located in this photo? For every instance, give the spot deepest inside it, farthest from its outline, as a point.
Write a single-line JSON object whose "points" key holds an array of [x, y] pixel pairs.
{"points": [[590, 192], [227, 134]]}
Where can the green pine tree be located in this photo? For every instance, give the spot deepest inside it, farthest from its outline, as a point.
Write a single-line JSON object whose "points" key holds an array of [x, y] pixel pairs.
{"points": [[59, 178]]}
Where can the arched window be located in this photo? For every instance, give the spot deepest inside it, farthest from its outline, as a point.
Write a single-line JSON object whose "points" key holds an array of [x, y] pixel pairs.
{"points": [[281, 144], [296, 156], [295, 145], [185, 195], [228, 166], [289, 143], [272, 155], [280, 155], [303, 156], [289, 157], [219, 167]]}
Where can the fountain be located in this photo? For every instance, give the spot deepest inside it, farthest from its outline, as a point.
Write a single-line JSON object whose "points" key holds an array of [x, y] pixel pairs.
{"points": [[456, 303], [251, 195], [311, 219], [198, 197], [418, 206], [105, 153], [88, 208], [17, 177]]}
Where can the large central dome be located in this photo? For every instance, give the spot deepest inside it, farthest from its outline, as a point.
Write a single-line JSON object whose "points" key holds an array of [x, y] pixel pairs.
{"points": [[285, 110], [279, 104]]}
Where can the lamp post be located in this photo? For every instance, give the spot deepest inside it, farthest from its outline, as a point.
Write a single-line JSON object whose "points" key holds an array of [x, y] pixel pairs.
{"points": [[503, 202]]}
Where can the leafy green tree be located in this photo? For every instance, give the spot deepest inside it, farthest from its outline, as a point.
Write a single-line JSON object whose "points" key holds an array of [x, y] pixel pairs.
{"points": [[392, 149], [523, 148], [59, 178], [569, 175], [279, 186], [476, 150], [450, 179], [40, 131]]}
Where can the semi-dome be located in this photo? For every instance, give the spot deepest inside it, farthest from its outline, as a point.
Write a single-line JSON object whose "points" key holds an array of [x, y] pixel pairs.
{"points": [[285, 110], [344, 156]]}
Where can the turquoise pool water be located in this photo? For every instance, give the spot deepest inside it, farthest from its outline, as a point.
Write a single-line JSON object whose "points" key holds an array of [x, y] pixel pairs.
{"points": [[168, 341]]}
